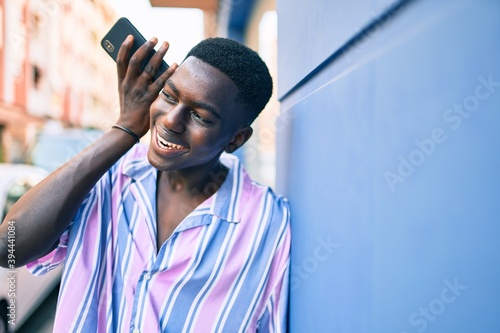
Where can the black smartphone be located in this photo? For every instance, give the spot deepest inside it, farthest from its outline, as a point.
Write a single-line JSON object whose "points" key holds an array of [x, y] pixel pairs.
{"points": [[112, 41]]}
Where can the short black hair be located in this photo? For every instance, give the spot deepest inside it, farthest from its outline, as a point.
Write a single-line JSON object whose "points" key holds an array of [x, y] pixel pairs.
{"points": [[242, 65]]}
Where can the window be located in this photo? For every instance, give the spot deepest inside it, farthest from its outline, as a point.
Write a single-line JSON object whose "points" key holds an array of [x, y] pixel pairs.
{"points": [[37, 75]]}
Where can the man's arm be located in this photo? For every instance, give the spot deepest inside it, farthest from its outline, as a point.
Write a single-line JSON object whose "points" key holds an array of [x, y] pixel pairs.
{"points": [[44, 212]]}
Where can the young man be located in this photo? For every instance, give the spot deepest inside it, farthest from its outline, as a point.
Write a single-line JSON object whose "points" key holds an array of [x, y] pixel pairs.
{"points": [[174, 237]]}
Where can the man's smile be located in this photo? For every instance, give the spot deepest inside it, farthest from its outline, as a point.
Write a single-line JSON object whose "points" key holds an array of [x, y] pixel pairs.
{"points": [[162, 143]]}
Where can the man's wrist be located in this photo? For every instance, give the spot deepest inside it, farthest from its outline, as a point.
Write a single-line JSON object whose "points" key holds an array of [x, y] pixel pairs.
{"points": [[128, 131]]}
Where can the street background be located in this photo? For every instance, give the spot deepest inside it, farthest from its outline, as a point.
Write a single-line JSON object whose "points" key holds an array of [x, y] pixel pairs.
{"points": [[383, 133]]}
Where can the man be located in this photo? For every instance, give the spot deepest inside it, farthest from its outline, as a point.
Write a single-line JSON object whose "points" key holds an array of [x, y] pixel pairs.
{"points": [[174, 238]]}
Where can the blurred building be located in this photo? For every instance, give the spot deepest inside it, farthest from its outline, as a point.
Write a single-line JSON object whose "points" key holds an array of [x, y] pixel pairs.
{"points": [[52, 67], [209, 8], [254, 23]]}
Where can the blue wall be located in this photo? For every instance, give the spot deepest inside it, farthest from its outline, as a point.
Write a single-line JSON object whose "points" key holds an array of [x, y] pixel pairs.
{"points": [[389, 151]]}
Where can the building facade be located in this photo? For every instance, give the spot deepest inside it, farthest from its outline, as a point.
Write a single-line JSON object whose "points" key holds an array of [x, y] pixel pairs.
{"points": [[52, 67]]}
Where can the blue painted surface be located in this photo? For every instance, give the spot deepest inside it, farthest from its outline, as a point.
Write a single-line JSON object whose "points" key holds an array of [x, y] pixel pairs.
{"points": [[420, 254], [239, 16], [311, 31]]}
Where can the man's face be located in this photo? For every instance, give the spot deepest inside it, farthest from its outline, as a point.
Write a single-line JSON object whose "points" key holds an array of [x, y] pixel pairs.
{"points": [[193, 118]]}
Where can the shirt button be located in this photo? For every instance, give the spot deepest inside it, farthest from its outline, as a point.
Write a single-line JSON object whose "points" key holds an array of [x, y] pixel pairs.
{"points": [[147, 276], [136, 330]]}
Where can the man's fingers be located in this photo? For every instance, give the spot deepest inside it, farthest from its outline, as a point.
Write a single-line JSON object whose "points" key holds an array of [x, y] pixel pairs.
{"points": [[122, 57], [160, 82], [155, 61], [134, 65]]}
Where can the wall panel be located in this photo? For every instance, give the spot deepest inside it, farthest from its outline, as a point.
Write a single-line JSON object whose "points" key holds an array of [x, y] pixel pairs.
{"points": [[390, 158]]}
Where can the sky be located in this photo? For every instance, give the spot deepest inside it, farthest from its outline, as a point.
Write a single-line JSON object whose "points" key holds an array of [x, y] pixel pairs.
{"points": [[182, 28]]}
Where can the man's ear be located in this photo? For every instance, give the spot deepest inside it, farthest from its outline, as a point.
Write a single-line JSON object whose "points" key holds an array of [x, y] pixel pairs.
{"points": [[239, 139]]}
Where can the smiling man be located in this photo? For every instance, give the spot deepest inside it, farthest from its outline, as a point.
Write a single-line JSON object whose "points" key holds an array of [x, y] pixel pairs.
{"points": [[174, 237]]}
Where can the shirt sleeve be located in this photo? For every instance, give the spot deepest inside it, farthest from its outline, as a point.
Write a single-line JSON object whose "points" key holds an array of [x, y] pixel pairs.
{"points": [[57, 256]]}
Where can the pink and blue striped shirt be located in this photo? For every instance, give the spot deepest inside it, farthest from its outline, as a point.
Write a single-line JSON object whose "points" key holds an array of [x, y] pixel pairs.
{"points": [[225, 268]]}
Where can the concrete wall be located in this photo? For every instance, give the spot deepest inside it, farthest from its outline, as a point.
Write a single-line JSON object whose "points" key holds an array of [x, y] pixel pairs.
{"points": [[388, 149]]}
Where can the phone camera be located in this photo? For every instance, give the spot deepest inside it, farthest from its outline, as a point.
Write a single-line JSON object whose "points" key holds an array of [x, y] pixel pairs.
{"points": [[108, 46]]}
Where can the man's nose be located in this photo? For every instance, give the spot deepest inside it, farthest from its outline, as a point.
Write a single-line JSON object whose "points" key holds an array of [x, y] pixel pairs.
{"points": [[175, 119]]}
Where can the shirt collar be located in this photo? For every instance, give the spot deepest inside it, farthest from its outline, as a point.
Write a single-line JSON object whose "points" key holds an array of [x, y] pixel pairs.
{"points": [[227, 203], [229, 200]]}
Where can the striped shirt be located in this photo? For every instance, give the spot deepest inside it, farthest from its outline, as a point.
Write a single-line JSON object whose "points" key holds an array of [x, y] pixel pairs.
{"points": [[225, 268]]}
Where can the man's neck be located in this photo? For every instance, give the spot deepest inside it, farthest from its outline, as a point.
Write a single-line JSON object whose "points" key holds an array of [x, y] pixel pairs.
{"points": [[200, 181]]}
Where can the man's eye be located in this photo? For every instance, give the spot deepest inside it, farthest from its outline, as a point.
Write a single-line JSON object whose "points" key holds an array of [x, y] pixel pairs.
{"points": [[201, 119], [167, 96]]}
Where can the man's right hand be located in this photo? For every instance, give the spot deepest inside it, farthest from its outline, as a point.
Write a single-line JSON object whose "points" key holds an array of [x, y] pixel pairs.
{"points": [[137, 89]]}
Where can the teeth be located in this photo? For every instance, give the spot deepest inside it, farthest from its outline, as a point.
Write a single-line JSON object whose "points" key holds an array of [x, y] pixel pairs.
{"points": [[168, 145]]}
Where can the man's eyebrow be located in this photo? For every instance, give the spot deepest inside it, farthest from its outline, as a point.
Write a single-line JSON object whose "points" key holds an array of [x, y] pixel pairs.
{"points": [[199, 104], [173, 87]]}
